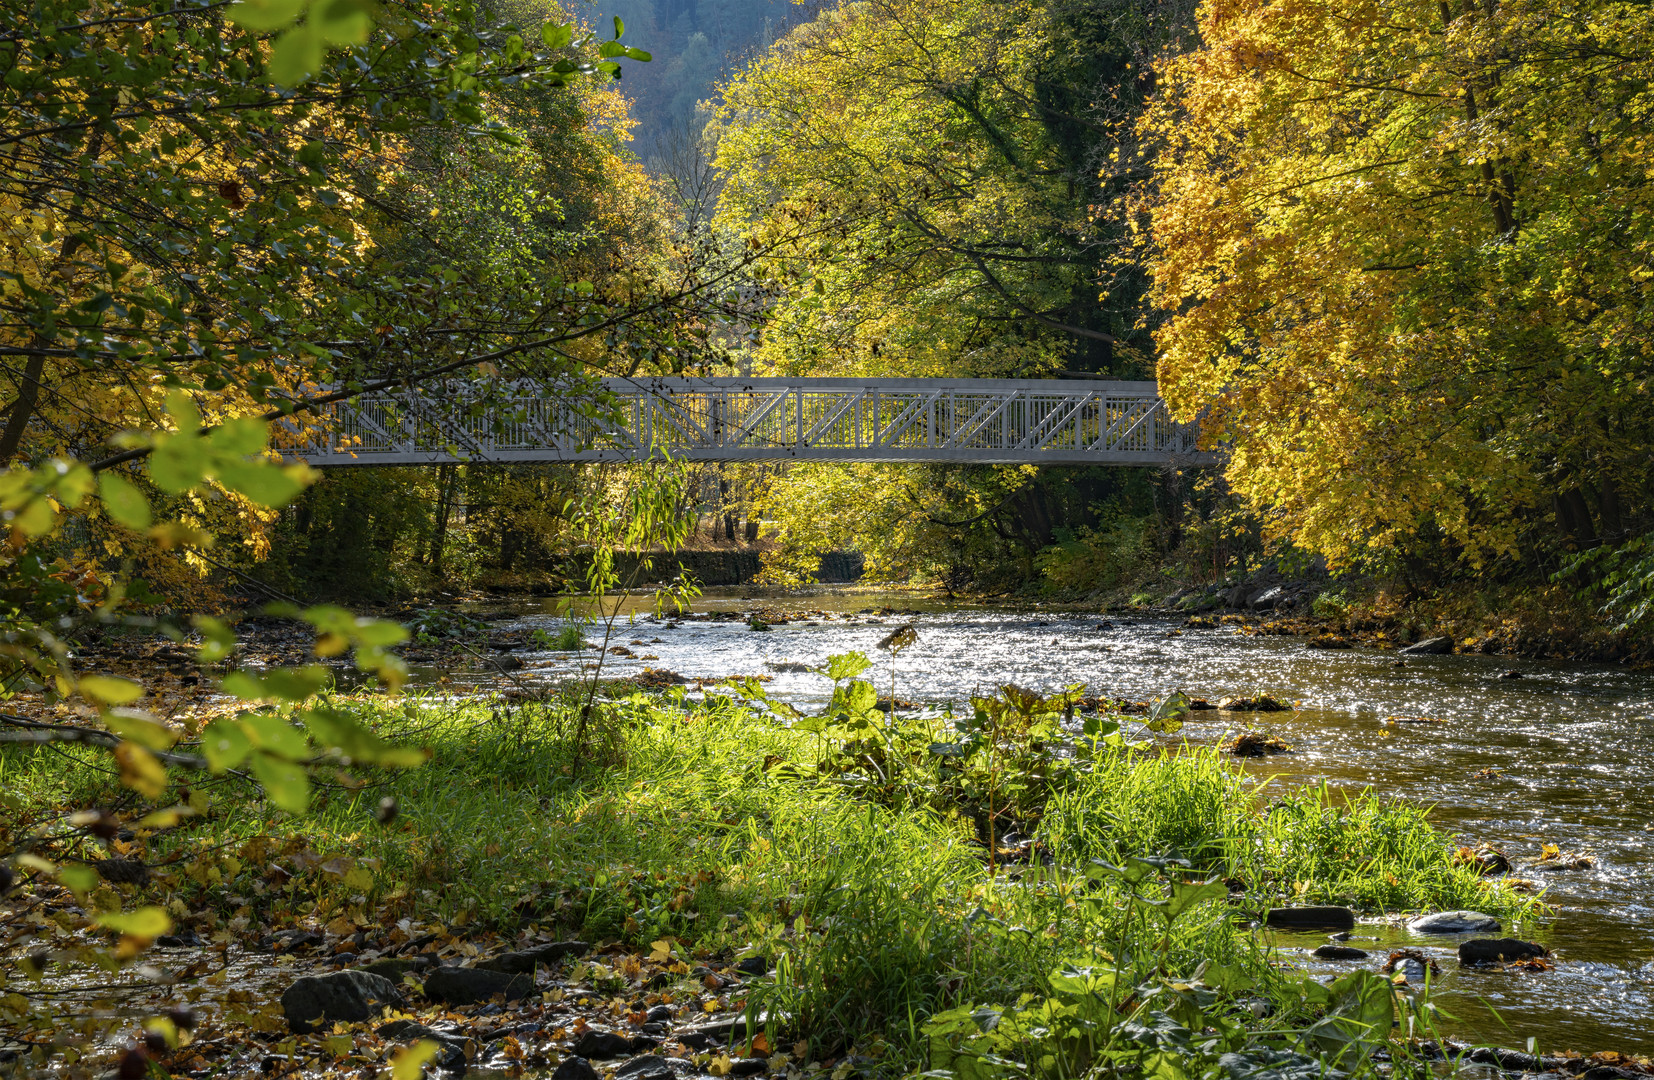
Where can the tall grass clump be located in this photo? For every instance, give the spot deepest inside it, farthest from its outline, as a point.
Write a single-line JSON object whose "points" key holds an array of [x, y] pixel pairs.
{"points": [[1309, 845]]}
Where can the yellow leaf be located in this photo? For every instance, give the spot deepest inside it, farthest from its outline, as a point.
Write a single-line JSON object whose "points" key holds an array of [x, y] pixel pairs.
{"points": [[720, 1065], [141, 728], [109, 690], [140, 771], [660, 951], [145, 922], [408, 1062]]}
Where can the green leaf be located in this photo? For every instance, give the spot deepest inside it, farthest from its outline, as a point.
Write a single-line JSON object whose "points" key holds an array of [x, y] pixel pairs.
{"points": [[74, 482], [284, 782], [1186, 895], [860, 697], [144, 922], [261, 16], [78, 878], [1363, 1009], [34, 518], [217, 639], [266, 483], [845, 666], [141, 730], [123, 502], [557, 35], [341, 22], [179, 462], [339, 730], [297, 55], [225, 745], [276, 735], [380, 632], [278, 684], [241, 437], [184, 413]]}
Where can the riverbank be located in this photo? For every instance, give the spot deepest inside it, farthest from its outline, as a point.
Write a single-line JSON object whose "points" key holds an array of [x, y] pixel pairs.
{"points": [[717, 865]]}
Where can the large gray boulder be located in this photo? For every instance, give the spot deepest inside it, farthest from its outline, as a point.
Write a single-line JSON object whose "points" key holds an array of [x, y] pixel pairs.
{"points": [[1436, 646], [1454, 922], [316, 1001]]}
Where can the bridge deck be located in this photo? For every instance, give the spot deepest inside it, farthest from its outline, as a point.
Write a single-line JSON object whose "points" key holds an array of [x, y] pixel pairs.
{"points": [[986, 421]]}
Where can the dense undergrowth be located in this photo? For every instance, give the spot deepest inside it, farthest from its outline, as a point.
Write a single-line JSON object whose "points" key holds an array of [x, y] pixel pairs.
{"points": [[849, 850]]}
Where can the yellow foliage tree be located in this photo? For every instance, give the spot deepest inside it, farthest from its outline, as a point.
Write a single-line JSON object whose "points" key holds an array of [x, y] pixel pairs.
{"points": [[1405, 249]]}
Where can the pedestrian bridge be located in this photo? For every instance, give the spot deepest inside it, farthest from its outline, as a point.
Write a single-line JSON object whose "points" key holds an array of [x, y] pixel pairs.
{"points": [[981, 421]]}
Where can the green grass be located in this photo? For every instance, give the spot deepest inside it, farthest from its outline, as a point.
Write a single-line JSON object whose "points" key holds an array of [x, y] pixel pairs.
{"points": [[680, 824], [1311, 845]]}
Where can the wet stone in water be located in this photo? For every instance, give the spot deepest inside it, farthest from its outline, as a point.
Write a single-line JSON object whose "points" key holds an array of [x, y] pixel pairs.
{"points": [[1454, 922], [1310, 918], [1498, 951]]}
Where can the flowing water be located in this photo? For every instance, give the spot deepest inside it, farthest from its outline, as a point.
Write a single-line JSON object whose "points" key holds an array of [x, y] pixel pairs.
{"points": [[1560, 754]]}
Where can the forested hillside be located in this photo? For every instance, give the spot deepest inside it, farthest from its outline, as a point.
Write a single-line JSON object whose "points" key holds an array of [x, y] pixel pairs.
{"points": [[696, 45]]}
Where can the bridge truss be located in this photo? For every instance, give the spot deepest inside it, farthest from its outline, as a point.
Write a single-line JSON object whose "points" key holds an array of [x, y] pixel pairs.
{"points": [[986, 421]]}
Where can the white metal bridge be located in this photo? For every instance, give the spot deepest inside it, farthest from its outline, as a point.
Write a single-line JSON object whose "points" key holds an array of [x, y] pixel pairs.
{"points": [[985, 421]]}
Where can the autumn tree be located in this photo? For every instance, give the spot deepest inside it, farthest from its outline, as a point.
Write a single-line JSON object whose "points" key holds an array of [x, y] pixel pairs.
{"points": [[1403, 250]]}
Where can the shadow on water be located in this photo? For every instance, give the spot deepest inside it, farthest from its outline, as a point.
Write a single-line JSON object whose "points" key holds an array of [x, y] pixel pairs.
{"points": [[1561, 753]]}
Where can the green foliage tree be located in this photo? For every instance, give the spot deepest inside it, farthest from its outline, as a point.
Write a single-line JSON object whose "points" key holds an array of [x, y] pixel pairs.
{"points": [[954, 163]]}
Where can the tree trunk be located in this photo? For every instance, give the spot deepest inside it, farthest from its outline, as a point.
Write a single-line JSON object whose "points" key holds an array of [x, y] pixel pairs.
{"points": [[28, 394], [1608, 510]]}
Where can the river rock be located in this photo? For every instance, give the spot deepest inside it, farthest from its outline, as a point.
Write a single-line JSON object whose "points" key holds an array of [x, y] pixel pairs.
{"points": [[1310, 918], [451, 1056], [393, 968], [1436, 646], [1268, 600], [1497, 950], [648, 1067], [352, 996], [524, 961], [468, 986], [1339, 952], [603, 1045], [1257, 704], [1413, 970], [575, 1068], [1454, 922], [753, 965]]}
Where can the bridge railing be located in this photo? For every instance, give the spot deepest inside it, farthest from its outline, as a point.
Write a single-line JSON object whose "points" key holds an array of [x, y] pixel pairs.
{"points": [[999, 421]]}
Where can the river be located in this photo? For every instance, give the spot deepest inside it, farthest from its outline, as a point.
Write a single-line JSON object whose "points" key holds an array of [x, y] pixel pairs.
{"points": [[1562, 753]]}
